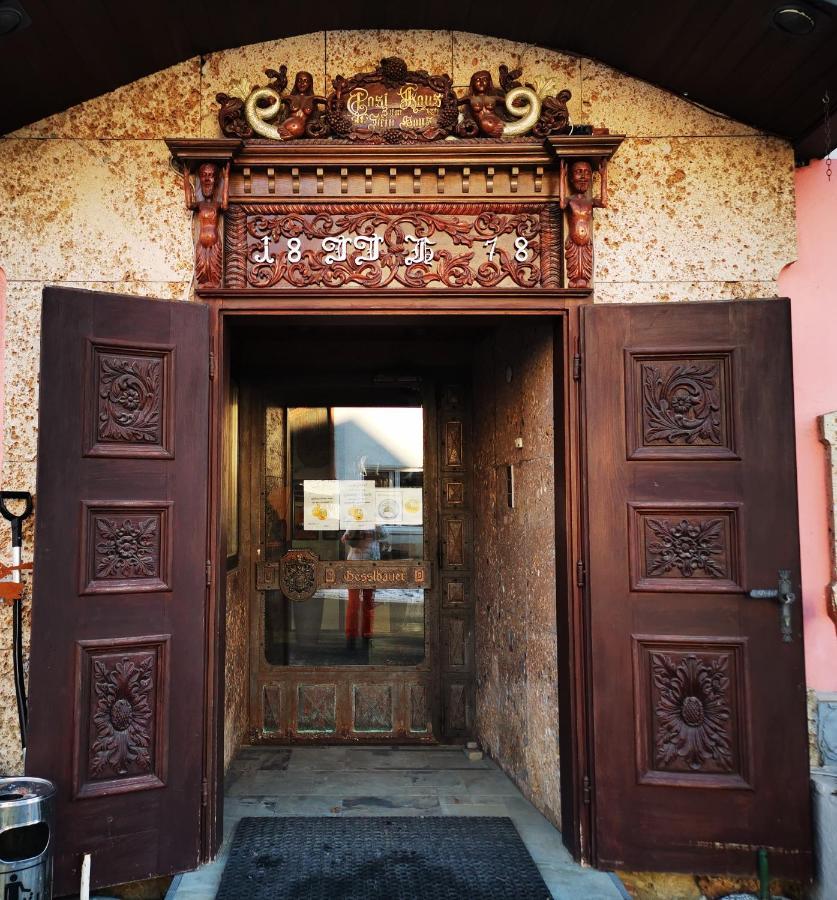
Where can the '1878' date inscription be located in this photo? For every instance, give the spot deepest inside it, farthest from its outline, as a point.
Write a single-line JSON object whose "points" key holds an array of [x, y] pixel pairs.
{"points": [[433, 245]]}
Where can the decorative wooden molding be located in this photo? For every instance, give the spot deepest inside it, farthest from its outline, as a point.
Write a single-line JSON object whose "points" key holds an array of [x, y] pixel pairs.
{"points": [[394, 105], [276, 186]]}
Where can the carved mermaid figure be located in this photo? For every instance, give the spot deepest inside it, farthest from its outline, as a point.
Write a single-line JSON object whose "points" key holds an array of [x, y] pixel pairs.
{"points": [[574, 199], [301, 104], [485, 103], [209, 209]]}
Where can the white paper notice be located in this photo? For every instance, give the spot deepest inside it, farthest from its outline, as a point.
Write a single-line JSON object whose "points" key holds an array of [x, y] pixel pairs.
{"points": [[321, 505], [357, 505], [388, 506], [411, 506]]}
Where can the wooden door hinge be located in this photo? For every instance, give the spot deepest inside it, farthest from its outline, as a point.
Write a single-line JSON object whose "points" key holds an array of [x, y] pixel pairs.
{"points": [[585, 790], [204, 792], [579, 573], [577, 367], [211, 366], [208, 572]]}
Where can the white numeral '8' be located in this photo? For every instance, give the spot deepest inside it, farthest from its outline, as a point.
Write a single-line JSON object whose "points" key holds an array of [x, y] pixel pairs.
{"points": [[294, 251], [521, 247]]}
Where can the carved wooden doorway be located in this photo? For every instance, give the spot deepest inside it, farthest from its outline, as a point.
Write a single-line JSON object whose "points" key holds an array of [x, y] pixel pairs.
{"points": [[360, 625]]}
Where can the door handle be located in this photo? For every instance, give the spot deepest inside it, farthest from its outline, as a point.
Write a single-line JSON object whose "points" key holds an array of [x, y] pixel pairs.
{"points": [[785, 597]]}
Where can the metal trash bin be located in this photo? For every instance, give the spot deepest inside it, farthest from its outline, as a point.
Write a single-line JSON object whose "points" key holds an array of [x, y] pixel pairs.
{"points": [[26, 824]]}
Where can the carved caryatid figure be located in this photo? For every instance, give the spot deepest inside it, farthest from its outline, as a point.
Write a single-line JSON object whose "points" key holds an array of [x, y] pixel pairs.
{"points": [[574, 188], [213, 203]]}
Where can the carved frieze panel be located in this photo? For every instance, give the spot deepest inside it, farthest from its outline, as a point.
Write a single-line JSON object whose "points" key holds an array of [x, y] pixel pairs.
{"points": [[456, 714], [680, 407], [418, 708], [372, 707], [121, 715], [454, 492], [390, 245], [454, 591], [393, 104], [693, 548], [453, 444], [125, 547], [127, 406], [456, 641], [692, 703], [272, 708], [453, 543], [316, 708]]}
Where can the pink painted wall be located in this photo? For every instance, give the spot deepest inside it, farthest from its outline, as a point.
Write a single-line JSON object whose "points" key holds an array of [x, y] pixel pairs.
{"points": [[2, 362], [811, 284]]}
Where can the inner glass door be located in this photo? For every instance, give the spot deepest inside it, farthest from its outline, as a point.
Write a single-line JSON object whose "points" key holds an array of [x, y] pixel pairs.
{"points": [[347, 484]]}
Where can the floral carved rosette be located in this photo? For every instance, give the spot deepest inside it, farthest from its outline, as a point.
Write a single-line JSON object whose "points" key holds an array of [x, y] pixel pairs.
{"points": [[122, 717]]}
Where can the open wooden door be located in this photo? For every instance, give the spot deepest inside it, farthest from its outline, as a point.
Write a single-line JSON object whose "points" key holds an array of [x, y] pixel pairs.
{"points": [[118, 629], [698, 697]]}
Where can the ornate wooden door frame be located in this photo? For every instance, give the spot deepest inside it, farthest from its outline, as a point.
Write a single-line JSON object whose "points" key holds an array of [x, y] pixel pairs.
{"points": [[444, 189], [573, 705]]}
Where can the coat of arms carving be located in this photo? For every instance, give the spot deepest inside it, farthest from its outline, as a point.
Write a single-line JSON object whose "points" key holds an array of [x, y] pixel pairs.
{"points": [[298, 574]]}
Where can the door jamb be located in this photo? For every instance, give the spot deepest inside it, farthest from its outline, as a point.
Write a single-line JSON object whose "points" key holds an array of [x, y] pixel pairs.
{"points": [[574, 698]]}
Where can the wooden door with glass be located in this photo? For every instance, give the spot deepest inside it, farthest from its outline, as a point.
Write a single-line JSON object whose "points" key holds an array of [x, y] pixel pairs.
{"points": [[346, 611]]}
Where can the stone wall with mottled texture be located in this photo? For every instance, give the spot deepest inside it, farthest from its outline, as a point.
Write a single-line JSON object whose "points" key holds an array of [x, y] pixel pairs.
{"points": [[701, 207], [236, 663], [514, 560]]}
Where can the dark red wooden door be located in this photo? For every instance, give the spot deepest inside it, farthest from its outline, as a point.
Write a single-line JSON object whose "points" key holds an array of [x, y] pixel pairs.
{"points": [[118, 635], [699, 746]]}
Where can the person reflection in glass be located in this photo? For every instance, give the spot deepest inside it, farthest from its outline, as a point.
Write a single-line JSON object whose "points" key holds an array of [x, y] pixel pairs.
{"points": [[360, 611]]}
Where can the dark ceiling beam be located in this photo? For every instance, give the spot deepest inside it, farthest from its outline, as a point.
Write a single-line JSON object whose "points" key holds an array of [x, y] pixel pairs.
{"points": [[726, 56]]}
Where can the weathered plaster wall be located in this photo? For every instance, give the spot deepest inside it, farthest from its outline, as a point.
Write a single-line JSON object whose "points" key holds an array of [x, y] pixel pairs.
{"points": [[516, 636], [811, 283], [236, 663], [701, 206]]}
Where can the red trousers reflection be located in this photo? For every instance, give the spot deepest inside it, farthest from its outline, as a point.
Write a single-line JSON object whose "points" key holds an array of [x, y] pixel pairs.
{"points": [[363, 628]]}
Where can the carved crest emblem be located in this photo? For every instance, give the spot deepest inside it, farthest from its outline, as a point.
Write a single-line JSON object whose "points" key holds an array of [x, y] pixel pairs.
{"points": [[298, 574]]}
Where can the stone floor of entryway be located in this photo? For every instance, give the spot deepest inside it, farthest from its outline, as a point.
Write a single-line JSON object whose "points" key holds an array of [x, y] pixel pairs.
{"points": [[389, 781]]}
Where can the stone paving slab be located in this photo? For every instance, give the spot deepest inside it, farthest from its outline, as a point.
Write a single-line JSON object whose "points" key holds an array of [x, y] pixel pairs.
{"points": [[388, 781]]}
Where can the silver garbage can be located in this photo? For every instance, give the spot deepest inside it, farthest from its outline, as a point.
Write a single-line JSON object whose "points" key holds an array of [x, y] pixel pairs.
{"points": [[26, 823]]}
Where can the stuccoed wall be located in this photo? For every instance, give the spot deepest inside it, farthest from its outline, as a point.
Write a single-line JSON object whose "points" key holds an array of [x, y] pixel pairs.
{"points": [[701, 206]]}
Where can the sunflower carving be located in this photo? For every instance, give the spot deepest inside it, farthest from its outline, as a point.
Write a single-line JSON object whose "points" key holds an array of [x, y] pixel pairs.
{"points": [[692, 712], [122, 716]]}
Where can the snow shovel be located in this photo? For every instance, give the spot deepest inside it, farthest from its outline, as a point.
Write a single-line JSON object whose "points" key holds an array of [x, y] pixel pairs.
{"points": [[13, 591]]}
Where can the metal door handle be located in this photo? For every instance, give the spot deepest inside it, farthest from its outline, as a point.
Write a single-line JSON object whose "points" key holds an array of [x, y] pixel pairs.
{"points": [[785, 596]]}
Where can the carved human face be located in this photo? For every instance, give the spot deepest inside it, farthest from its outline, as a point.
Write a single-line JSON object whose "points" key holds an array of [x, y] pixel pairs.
{"points": [[480, 82], [581, 176], [304, 83], [208, 175]]}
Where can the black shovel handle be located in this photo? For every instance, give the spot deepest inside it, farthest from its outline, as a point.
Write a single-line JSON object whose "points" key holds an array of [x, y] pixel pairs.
{"points": [[16, 519]]}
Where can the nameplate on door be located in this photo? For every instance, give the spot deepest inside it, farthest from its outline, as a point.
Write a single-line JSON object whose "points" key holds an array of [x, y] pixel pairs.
{"points": [[353, 574]]}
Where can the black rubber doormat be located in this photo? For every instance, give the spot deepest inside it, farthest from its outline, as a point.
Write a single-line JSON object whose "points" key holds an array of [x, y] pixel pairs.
{"points": [[365, 858]]}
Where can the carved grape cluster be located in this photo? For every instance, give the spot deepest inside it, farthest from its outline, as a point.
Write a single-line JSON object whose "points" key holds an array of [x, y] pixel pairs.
{"points": [[394, 70]]}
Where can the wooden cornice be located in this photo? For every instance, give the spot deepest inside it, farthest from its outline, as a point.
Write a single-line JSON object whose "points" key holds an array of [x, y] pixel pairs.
{"points": [[451, 153]]}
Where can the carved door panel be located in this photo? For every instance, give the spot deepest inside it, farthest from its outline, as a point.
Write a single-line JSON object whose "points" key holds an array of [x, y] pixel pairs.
{"points": [[118, 634], [699, 748]]}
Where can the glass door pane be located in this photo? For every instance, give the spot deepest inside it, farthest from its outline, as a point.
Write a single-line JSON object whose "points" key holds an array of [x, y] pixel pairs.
{"points": [[346, 483]]}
